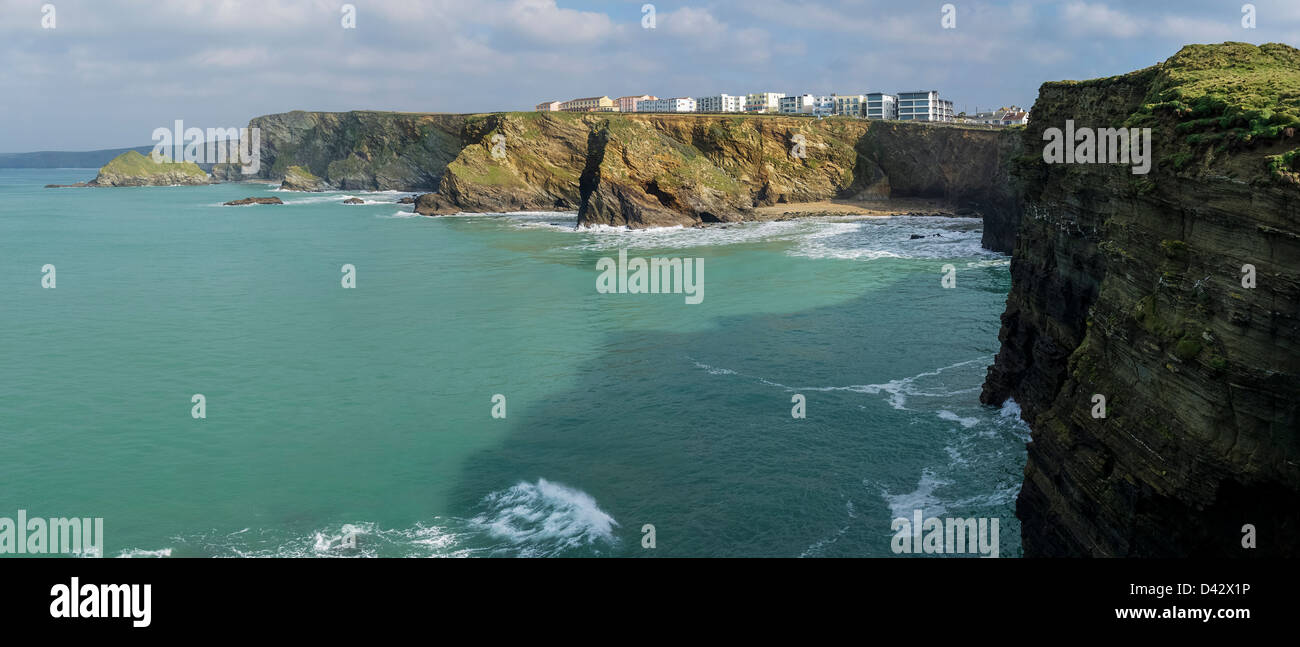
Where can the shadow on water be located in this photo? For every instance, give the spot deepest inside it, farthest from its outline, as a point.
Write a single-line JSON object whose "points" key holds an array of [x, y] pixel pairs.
{"points": [[693, 433]]}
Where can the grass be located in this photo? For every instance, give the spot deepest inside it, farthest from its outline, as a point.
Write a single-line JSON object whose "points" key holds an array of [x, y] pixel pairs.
{"points": [[133, 164], [301, 172], [1288, 162], [1223, 97]]}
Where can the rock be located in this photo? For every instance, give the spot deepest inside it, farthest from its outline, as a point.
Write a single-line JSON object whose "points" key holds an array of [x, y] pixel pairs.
{"points": [[240, 203], [133, 169], [228, 172], [77, 185], [704, 168], [1129, 287], [354, 201], [297, 178], [406, 200], [432, 204]]}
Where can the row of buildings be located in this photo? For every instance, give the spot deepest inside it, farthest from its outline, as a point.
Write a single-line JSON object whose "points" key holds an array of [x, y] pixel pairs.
{"points": [[923, 105], [907, 106]]}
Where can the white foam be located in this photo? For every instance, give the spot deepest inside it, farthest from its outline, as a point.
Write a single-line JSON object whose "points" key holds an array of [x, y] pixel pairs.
{"points": [[891, 237], [922, 498], [713, 370], [952, 417], [137, 552], [898, 391], [348, 540], [545, 518]]}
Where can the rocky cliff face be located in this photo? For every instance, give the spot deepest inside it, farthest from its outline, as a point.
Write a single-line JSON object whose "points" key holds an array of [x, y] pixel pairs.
{"points": [[642, 170], [360, 150], [653, 170], [1130, 287], [513, 162]]}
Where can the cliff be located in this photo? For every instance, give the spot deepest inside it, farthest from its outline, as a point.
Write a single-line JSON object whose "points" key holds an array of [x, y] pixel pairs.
{"points": [[642, 170], [360, 150], [1131, 287]]}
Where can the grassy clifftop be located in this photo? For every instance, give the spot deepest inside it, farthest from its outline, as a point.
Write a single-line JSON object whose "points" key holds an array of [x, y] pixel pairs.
{"points": [[1228, 109], [1225, 100]]}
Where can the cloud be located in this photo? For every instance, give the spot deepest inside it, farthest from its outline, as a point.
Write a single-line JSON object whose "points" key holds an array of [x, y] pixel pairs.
{"points": [[1099, 19], [541, 21], [111, 72]]}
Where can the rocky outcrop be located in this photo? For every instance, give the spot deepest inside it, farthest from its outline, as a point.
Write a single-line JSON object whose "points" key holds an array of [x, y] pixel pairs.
{"points": [[297, 178], [514, 162], [133, 169], [1130, 288], [658, 170], [247, 201], [354, 201]]}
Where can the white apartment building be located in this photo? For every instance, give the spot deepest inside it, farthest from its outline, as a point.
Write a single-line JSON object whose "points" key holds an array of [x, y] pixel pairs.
{"points": [[794, 104], [763, 102], [678, 104], [923, 105], [823, 106], [807, 104], [848, 105], [881, 106], [720, 103]]}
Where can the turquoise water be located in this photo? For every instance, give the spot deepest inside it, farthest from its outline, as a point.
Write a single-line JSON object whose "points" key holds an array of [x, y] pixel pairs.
{"points": [[365, 413]]}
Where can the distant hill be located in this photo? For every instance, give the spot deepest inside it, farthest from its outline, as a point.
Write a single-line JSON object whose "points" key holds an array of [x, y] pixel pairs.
{"points": [[65, 159]]}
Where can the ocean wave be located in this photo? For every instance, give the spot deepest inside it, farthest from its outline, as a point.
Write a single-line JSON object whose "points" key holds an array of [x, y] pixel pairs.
{"points": [[922, 498], [537, 519], [607, 238], [545, 518], [912, 237], [899, 391]]}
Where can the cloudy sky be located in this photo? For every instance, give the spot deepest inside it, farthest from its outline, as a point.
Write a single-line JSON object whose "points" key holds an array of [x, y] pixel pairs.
{"points": [[110, 71]]}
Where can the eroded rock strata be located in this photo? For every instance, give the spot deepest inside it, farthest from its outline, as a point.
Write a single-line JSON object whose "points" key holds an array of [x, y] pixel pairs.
{"points": [[1130, 287], [641, 170]]}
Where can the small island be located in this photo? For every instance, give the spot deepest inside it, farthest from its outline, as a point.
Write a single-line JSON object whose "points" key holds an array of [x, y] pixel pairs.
{"points": [[133, 169]]}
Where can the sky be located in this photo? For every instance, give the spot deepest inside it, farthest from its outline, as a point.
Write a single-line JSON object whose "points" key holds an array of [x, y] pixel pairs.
{"points": [[92, 74]]}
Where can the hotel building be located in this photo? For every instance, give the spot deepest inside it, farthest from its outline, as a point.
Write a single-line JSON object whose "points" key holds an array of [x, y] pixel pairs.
{"points": [[677, 104], [720, 103], [763, 102], [588, 104], [923, 105], [881, 106]]}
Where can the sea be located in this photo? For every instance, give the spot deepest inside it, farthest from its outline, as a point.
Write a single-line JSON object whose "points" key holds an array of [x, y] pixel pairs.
{"points": [[199, 377]]}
